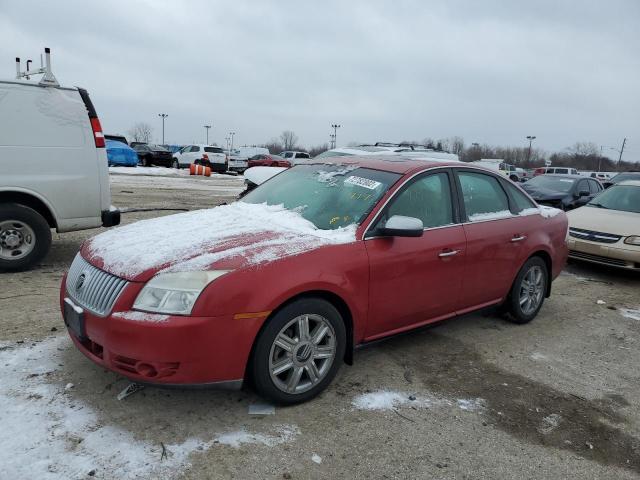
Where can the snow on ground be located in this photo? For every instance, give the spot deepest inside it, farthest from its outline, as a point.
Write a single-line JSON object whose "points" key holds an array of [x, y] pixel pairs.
{"points": [[633, 314], [48, 434], [258, 232], [170, 172], [391, 400], [220, 185]]}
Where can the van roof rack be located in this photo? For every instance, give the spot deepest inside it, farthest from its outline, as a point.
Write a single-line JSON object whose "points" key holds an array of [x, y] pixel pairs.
{"points": [[48, 79]]}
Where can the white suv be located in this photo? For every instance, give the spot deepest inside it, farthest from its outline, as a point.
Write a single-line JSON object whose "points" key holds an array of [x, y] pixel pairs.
{"points": [[54, 168], [201, 154]]}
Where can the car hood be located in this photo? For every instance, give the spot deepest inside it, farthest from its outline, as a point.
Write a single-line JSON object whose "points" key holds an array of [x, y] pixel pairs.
{"points": [[228, 237], [605, 221]]}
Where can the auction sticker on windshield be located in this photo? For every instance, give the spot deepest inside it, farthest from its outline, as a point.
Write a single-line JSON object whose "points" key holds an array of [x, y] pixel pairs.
{"points": [[362, 182]]}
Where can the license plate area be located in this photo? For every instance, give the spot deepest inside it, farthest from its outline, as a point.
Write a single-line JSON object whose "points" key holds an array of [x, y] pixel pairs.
{"points": [[74, 319]]}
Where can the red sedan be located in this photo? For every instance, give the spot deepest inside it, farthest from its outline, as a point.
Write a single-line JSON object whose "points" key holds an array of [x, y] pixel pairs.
{"points": [[281, 286], [270, 160]]}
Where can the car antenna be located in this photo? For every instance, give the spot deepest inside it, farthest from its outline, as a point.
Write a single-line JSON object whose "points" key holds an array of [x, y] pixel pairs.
{"points": [[45, 70]]}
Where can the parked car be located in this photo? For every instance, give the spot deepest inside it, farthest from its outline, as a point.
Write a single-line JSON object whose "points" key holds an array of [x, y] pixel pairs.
{"points": [[117, 138], [601, 176], [201, 154], [149, 154], [293, 156], [621, 177], [268, 160], [562, 191], [173, 148], [607, 229], [500, 166], [555, 171], [121, 154], [54, 168], [319, 259]]}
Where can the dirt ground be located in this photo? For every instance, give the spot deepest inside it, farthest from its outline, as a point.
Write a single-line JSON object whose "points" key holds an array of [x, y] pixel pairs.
{"points": [[476, 397]]}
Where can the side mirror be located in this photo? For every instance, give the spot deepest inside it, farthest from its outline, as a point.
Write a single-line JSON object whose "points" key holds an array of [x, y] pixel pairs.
{"points": [[401, 226], [583, 193]]}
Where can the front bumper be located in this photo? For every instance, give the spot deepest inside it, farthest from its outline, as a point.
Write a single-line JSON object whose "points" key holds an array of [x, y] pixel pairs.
{"points": [[618, 255], [111, 217], [168, 350]]}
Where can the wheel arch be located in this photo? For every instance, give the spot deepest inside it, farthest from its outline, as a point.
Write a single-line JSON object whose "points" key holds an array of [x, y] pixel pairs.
{"points": [[330, 297], [32, 201]]}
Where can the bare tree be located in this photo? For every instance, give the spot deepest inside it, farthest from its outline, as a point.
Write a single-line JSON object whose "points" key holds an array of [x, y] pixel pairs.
{"points": [[140, 132], [313, 151], [288, 140], [455, 145]]}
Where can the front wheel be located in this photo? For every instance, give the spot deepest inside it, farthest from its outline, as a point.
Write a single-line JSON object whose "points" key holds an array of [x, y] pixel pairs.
{"points": [[528, 291], [299, 351], [25, 237]]}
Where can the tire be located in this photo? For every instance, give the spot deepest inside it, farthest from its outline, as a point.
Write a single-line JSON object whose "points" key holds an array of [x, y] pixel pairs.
{"points": [[145, 162], [514, 178], [25, 237], [175, 164], [523, 304], [303, 358]]}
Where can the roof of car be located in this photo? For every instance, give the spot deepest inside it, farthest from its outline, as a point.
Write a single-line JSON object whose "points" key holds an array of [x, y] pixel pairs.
{"points": [[566, 175], [396, 163]]}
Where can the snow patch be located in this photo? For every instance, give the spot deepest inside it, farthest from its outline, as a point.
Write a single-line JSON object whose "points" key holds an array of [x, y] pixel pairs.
{"points": [[470, 404], [549, 212], [315, 458], [47, 433], [389, 400], [630, 313], [549, 423], [258, 232], [236, 439], [477, 217], [154, 171], [141, 316], [537, 356]]}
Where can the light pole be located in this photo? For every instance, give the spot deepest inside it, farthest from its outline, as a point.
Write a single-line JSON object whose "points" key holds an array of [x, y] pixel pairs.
{"points": [[335, 127], [207, 127], [231, 134], [531, 138], [163, 115]]}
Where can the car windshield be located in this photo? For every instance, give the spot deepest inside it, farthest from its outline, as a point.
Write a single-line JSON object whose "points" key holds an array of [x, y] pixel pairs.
{"points": [[329, 196], [158, 148], [625, 176], [619, 197], [557, 184]]}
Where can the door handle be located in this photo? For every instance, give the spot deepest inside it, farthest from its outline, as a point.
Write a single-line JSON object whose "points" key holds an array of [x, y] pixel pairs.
{"points": [[448, 253], [518, 238]]}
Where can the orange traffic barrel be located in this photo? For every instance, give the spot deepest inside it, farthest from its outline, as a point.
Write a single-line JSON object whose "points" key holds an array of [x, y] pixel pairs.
{"points": [[199, 170]]}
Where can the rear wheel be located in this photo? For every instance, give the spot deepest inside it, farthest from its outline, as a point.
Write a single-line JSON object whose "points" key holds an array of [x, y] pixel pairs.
{"points": [[176, 164], [528, 291], [145, 162], [25, 237], [299, 351]]}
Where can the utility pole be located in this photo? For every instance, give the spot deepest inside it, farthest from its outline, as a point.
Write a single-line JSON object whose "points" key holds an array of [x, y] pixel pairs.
{"points": [[531, 138], [163, 115], [207, 127], [335, 127], [624, 142]]}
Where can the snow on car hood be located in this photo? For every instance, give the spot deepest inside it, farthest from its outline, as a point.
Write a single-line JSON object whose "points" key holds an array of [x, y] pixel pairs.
{"points": [[226, 237]]}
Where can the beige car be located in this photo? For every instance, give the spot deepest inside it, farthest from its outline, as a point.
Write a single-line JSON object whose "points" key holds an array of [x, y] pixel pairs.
{"points": [[607, 229]]}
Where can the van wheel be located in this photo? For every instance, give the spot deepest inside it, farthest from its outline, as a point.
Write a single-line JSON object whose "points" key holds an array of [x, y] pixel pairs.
{"points": [[299, 351], [25, 237], [528, 291]]}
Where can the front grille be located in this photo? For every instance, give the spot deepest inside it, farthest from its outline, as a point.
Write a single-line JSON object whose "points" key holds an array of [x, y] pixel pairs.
{"points": [[92, 288], [599, 258], [594, 236]]}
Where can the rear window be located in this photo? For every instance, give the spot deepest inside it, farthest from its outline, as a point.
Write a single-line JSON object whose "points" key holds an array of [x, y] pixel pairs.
{"points": [[213, 150]]}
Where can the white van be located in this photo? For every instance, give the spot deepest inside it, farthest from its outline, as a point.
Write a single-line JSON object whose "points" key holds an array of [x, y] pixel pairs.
{"points": [[53, 167]]}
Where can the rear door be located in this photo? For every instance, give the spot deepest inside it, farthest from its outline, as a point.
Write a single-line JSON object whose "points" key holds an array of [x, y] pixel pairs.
{"points": [[417, 280], [494, 238]]}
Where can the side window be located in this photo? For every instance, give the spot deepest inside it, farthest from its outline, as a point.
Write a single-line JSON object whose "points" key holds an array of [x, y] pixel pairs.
{"points": [[483, 196], [428, 198], [583, 186], [288, 155], [594, 187], [195, 149], [519, 198], [562, 170]]}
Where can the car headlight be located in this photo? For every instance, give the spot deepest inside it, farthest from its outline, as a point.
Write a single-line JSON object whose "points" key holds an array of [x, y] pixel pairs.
{"points": [[174, 293], [633, 240]]}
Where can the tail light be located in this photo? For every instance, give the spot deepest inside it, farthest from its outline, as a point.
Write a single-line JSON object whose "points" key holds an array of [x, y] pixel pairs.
{"points": [[98, 136]]}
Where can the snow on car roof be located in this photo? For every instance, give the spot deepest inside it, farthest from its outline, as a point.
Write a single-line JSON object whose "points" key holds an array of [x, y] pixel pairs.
{"points": [[197, 239], [397, 163]]}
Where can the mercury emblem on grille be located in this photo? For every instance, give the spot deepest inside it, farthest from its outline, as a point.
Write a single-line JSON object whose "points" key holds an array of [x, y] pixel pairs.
{"points": [[80, 281]]}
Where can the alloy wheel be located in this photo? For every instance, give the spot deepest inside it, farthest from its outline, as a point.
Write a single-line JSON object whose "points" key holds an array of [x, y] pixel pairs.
{"points": [[302, 353], [532, 290]]}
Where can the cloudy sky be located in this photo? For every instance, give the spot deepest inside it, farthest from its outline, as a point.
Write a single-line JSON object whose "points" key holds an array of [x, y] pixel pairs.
{"points": [[490, 71]]}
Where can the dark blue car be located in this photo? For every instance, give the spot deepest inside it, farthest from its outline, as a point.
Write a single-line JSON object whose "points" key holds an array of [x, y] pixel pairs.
{"points": [[121, 154]]}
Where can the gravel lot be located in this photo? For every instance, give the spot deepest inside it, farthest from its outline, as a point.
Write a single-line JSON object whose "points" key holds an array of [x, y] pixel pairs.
{"points": [[472, 398]]}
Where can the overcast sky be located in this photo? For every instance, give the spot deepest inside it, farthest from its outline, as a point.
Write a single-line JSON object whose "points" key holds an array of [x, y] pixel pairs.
{"points": [[490, 71]]}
